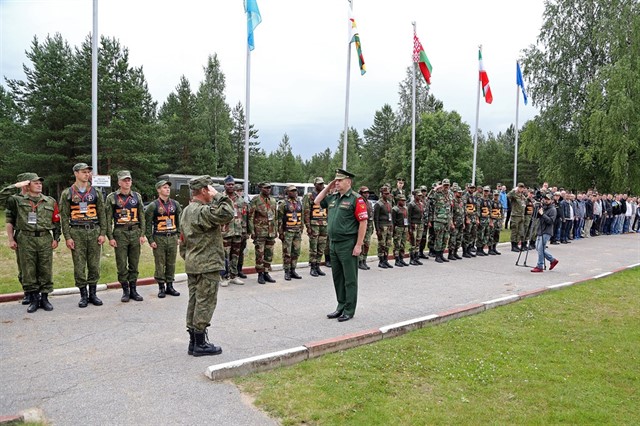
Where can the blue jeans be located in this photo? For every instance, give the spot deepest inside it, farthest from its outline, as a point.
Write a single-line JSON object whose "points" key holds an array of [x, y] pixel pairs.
{"points": [[625, 224], [541, 243]]}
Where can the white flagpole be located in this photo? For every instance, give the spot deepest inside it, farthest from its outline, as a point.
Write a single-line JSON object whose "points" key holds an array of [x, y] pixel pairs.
{"points": [[413, 122], [94, 90], [345, 137], [475, 133], [515, 153], [246, 124]]}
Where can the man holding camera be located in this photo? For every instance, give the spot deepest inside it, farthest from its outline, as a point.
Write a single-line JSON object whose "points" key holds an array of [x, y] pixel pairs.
{"points": [[546, 218]]}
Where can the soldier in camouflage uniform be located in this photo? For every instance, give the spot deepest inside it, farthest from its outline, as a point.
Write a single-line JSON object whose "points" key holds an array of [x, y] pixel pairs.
{"points": [[529, 229], [471, 221], [416, 212], [125, 231], [442, 218], [290, 231], [457, 211], [245, 235], [496, 216], [518, 201], [200, 233], [315, 221], [486, 223], [33, 217], [382, 221], [263, 229], [425, 230], [162, 224], [362, 261], [84, 226], [400, 220], [232, 233], [430, 218]]}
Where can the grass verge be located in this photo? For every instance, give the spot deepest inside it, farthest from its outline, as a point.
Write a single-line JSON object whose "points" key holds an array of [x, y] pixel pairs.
{"points": [[569, 356]]}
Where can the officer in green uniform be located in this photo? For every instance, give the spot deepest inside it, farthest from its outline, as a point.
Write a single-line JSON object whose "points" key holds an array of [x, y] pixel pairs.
{"points": [[315, 221], [458, 214], [290, 232], [232, 232], [124, 210], [471, 221], [496, 216], [362, 262], [34, 216], [383, 224], [486, 223], [200, 231], [416, 212], [518, 202], [347, 226], [400, 220], [263, 229], [162, 224], [84, 225], [442, 218]]}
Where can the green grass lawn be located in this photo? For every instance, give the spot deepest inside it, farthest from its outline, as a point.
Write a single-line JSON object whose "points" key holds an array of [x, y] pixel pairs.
{"points": [[566, 357]]}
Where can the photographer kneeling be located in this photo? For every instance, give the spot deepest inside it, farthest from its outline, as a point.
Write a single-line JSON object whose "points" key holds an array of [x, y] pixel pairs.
{"points": [[546, 218]]}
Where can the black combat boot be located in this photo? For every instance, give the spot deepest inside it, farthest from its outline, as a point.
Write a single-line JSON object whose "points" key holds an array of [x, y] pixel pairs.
{"points": [[133, 293], [362, 265], [495, 250], [412, 260], [84, 301], [416, 257], [444, 259], [44, 302], [295, 275], [451, 256], [240, 265], [287, 275], [327, 262], [386, 261], [465, 252], [381, 263], [514, 247], [93, 299], [490, 252], [480, 251], [399, 263], [202, 347], [312, 269], [125, 292], [261, 278], [268, 278], [34, 302], [26, 299], [455, 253], [439, 258], [404, 263], [423, 256], [319, 271], [161, 292], [433, 253], [192, 341], [172, 291]]}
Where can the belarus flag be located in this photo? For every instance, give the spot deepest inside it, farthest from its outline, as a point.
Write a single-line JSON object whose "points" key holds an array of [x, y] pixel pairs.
{"points": [[420, 57], [484, 79]]}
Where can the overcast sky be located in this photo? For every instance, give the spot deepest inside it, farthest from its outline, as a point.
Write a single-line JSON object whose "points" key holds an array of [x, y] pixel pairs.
{"points": [[298, 68]]}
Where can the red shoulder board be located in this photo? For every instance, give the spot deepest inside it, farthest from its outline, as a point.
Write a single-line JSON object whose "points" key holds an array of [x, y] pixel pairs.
{"points": [[361, 209]]}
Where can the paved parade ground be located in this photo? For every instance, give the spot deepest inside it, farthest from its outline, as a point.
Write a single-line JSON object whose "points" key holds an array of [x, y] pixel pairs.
{"points": [[127, 363]]}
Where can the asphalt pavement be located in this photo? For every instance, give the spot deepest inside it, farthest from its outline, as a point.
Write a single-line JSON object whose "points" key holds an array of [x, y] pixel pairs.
{"points": [[127, 363]]}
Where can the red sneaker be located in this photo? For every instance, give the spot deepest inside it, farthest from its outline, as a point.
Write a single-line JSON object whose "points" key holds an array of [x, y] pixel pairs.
{"points": [[554, 262], [536, 269]]}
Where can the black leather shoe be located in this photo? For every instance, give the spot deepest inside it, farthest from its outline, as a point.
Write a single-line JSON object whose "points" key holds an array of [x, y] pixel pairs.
{"points": [[261, 278], [268, 278], [334, 314], [295, 275], [241, 275], [343, 318]]}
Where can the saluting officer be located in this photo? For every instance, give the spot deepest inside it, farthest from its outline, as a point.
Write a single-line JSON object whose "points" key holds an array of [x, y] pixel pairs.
{"points": [[383, 223], [162, 225], [362, 263], [315, 221], [400, 220], [34, 216], [290, 231], [457, 211], [84, 226], [263, 229], [125, 230]]}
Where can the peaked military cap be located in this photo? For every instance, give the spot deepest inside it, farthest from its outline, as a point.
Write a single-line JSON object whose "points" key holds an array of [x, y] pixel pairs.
{"points": [[343, 174], [200, 182], [238, 187], [161, 183], [124, 174], [31, 177], [446, 182], [81, 166], [424, 188], [495, 192], [486, 188], [401, 197]]}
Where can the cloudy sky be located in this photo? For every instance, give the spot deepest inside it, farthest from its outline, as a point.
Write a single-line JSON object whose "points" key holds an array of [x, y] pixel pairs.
{"points": [[298, 69]]}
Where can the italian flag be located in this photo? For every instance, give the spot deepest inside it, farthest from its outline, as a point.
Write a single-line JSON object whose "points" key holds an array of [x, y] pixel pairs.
{"points": [[484, 80], [420, 57]]}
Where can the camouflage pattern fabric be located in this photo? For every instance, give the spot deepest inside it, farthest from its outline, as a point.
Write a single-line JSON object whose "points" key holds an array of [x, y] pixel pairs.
{"points": [[291, 249]]}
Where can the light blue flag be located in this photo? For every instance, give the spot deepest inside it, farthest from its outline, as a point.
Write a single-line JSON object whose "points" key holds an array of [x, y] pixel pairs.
{"points": [[520, 82], [253, 19]]}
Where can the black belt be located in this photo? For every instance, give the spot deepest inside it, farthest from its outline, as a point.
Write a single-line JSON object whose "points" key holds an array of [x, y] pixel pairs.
{"points": [[165, 234], [128, 227], [86, 226], [35, 233]]}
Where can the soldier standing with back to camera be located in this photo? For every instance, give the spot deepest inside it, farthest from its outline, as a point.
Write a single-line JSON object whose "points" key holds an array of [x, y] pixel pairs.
{"points": [[383, 224], [290, 232], [84, 225], [263, 229], [34, 216], [232, 232], [471, 221], [125, 230], [400, 219], [362, 263], [315, 221], [458, 214], [162, 224], [415, 212]]}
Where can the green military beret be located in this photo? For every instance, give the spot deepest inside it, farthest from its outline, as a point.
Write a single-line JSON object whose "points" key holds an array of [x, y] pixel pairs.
{"points": [[162, 183], [124, 174], [81, 166], [343, 174], [200, 182]]}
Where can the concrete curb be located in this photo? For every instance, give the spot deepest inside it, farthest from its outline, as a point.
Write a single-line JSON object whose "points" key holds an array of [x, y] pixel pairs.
{"points": [[310, 350]]}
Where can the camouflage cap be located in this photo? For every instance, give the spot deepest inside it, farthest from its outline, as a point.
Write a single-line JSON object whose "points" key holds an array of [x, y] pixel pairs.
{"points": [[471, 185], [520, 185], [31, 177], [424, 188], [548, 196], [318, 180], [238, 187], [486, 188], [496, 192], [455, 187], [291, 188], [384, 189], [363, 189], [343, 174], [264, 185], [22, 177], [81, 166], [400, 178], [200, 182], [446, 182], [162, 183], [124, 174], [401, 197]]}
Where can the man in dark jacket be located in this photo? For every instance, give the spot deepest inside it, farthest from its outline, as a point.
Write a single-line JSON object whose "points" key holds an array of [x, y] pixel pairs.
{"points": [[546, 218]]}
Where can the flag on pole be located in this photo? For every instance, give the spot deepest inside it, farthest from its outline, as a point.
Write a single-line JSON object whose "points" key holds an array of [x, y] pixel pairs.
{"points": [[253, 19], [420, 57], [520, 82], [484, 79], [354, 37]]}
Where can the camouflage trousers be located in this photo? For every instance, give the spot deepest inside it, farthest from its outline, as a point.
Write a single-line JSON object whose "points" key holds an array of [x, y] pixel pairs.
{"points": [[517, 228], [482, 237], [264, 252], [165, 257], [317, 242], [366, 242], [385, 237], [495, 234], [455, 238], [291, 249], [203, 298], [415, 236], [441, 235], [36, 262], [399, 240], [470, 232], [127, 253], [425, 233], [431, 238], [86, 256], [232, 249]]}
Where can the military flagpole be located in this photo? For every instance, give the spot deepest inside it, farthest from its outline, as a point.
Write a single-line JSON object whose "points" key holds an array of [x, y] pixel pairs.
{"points": [[475, 133], [515, 154], [94, 90], [413, 121], [246, 124], [345, 136]]}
